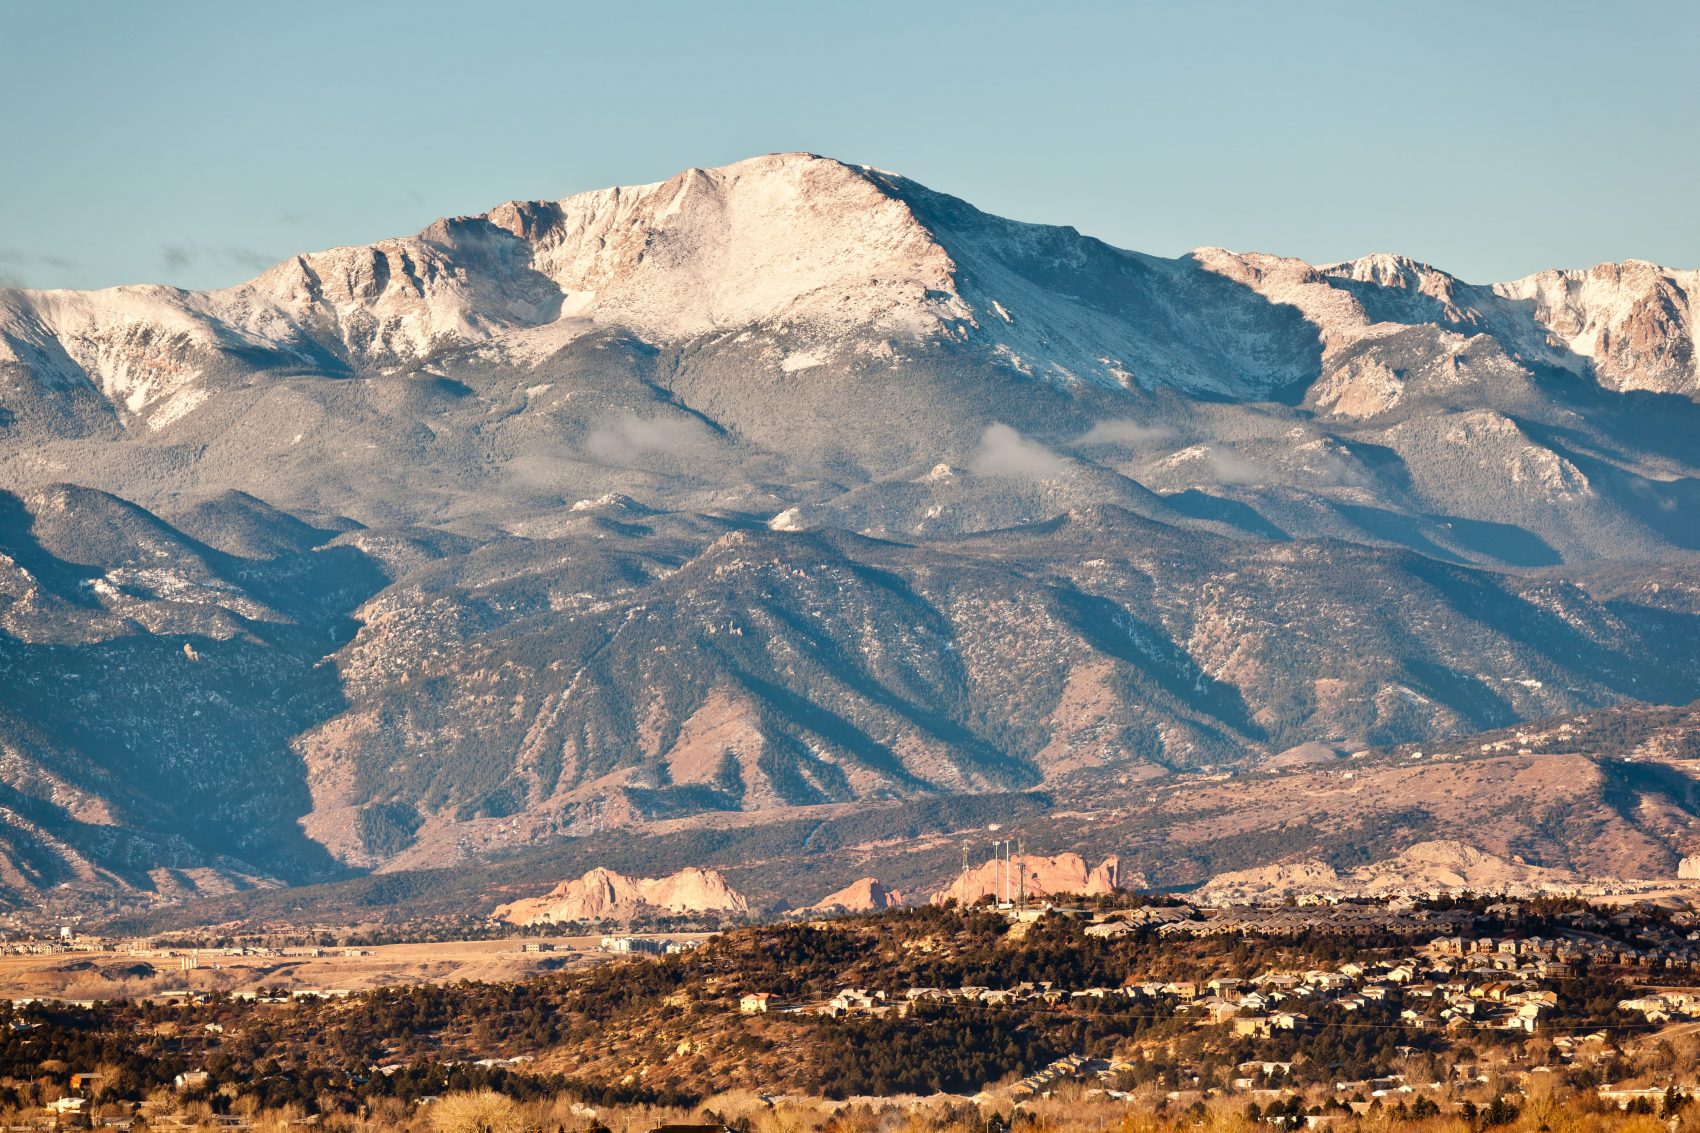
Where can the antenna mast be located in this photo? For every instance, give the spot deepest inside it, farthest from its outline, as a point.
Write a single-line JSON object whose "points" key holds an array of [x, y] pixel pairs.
{"points": [[1021, 878], [1005, 871]]}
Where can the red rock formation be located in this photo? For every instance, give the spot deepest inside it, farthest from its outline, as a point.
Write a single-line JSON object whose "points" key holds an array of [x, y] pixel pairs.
{"points": [[1033, 876], [861, 896], [603, 895]]}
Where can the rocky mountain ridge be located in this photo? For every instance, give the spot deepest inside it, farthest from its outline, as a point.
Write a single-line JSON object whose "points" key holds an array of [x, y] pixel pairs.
{"points": [[1439, 866]]}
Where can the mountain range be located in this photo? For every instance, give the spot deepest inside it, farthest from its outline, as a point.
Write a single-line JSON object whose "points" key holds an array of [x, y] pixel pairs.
{"points": [[790, 488]]}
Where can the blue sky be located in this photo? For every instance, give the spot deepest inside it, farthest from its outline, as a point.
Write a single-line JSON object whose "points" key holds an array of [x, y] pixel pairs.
{"points": [[195, 142]]}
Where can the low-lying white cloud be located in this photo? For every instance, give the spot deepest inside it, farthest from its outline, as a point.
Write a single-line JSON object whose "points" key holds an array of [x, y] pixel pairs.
{"points": [[1005, 452], [629, 437], [1231, 468]]}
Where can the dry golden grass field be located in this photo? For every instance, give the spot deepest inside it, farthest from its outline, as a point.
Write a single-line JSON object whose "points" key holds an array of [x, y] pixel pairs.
{"points": [[129, 974]]}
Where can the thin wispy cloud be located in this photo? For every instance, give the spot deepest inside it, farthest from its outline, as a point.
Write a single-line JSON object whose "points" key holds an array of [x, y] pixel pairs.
{"points": [[175, 257], [1126, 432], [190, 254], [17, 266]]}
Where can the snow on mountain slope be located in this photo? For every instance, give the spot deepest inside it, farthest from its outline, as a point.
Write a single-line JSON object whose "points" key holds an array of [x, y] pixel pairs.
{"points": [[396, 301], [1628, 325], [1632, 323], [141, 347], [794, 243], [823, 259], [787, 242]]}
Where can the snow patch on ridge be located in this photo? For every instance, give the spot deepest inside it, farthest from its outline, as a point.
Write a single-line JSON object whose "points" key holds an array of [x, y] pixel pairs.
{"points": [[801, 360]]}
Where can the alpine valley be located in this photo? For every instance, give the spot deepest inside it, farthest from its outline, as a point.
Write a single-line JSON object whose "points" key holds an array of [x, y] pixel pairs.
{"points": [[791, 519]]}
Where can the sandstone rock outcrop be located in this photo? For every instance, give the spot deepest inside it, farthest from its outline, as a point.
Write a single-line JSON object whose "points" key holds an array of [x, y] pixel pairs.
{"points": [[1033, 876], [604, 895], [863, 895]]}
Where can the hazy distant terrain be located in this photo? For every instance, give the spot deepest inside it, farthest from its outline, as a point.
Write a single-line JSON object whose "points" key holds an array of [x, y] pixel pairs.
{"points": [[797, 488]]}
